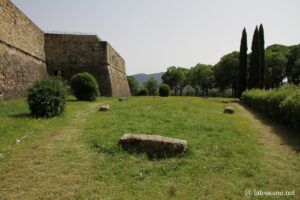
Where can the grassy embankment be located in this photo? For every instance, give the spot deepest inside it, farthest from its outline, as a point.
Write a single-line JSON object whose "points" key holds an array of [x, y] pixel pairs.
{"points": [[76, 155]]}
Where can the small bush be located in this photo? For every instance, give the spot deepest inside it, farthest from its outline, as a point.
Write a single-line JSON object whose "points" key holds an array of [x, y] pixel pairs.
{"points": [[142, 92], [164, 90], [47, 97], [85, 87]]}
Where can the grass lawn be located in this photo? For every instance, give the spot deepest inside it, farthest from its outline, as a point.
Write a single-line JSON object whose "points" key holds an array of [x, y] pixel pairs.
{"points": [[76, 156]]}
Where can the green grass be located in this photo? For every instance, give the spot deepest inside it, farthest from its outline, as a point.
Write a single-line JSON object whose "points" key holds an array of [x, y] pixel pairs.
{"points": [[77, 155]]}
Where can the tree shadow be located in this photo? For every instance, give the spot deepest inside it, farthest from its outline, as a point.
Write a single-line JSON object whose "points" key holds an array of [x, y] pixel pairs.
{"points": [[72, 100], [287, 135], [21, 115]]}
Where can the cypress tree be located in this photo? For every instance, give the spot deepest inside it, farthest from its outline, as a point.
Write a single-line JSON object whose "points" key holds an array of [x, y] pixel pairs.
{"points": [[254, 80], [243, 65], [262, 54]]}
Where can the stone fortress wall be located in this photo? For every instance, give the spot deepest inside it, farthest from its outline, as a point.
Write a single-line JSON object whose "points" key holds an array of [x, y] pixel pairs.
{"points": [[22, 55], [68, 54], [27, 54]]}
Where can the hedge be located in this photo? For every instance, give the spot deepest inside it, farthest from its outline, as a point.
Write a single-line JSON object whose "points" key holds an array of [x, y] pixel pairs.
{"points": [[280, 104]]}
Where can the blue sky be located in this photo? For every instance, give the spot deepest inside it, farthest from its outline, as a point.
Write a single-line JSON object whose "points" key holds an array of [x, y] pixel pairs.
{"points": [[152, 35]]}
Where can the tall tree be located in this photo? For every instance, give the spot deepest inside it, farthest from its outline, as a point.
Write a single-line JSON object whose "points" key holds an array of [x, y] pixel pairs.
{"points": [[201, 77], [293, 66], [133, 85], [254, 80], [174, 77], [262, 54], [183, 80], [243, 65], [226, 72], [275, 69], [151, 86]]}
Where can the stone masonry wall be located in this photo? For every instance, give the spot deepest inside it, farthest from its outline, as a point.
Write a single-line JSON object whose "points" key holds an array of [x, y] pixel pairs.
{"points": [[24, 49], [22, 57], [69, 54], [117, 72]]}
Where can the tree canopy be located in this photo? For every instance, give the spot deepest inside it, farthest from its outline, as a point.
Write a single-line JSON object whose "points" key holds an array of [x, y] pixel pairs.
{"points": [[201, 77], [151, 86], [243, 65], [226, 71], [254, 80], [133, 85]]}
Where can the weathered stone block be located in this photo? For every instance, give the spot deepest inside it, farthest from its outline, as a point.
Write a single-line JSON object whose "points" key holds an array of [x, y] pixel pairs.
{"points": [[104, 108], [224, 101], [229, 110], [154, 146]]}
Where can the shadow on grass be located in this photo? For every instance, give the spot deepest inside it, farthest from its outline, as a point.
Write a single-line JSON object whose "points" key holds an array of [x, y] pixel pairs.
{"points": [[287, 135], [118, 149], [21, 116], [72, 100]]}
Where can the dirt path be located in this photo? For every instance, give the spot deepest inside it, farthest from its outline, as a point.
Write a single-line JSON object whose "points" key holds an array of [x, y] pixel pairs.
{"points": [[55, 167], [275, 136]]}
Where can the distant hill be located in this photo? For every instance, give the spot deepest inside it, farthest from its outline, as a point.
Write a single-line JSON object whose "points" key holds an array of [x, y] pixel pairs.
{"points": [[141, 78]]}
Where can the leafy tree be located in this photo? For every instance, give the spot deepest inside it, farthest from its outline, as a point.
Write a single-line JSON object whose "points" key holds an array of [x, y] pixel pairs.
{"points": [[133, 85], [226, 71], [278, 48], [275, 69], [174, 77], [183, 81], [151, 86], [262, 54], [201, 77], [243, 65], [254, 80], [292, 72]]}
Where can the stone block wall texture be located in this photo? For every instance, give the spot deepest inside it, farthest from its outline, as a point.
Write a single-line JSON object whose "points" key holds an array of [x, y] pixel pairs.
{"points": [[25, 51], [117, 72], [22, 55], [69, 54]]}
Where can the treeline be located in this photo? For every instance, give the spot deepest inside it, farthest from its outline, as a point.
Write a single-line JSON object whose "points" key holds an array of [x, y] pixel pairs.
{"points": [[262, 68]]}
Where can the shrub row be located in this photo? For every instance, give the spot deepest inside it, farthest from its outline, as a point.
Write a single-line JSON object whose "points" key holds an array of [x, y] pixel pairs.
{"points": [[47, 97], [280, 104]]}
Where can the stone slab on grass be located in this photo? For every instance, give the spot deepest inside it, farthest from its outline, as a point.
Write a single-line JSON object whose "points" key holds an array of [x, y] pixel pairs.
{"points": [[104, 108], [154, 146], [229, 110]]}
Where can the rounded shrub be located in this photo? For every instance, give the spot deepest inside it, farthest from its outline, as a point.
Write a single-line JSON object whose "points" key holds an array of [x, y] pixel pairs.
{"points": [[164, 90], [85, 87], [47, 97], [142, 92]]}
